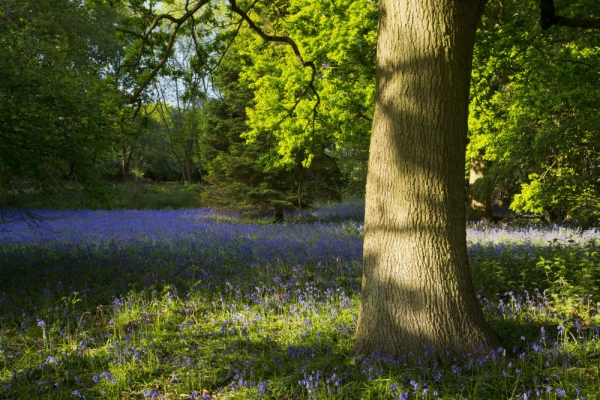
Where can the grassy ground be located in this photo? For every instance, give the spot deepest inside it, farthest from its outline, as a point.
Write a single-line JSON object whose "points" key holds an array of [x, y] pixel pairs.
{"points": [[174, 305], [134, 194]]}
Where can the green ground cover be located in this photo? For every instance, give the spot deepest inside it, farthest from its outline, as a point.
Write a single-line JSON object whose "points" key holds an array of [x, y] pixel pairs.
{"points": [[134, 194], [172, 304]]}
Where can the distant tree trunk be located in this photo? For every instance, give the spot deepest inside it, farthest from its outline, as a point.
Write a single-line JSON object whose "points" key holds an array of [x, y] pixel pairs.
{"points": [[180, 163], [188, 163], [479, 200], [126, 162], [71, 170], [417, 289], [278, 215]]}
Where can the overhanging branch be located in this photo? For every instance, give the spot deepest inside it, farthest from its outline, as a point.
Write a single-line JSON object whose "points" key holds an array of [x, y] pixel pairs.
{"points": [[287, 40], [548, 18], [189, 13]]}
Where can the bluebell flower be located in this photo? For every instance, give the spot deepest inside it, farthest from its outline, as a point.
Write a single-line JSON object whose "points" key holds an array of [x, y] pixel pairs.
{"points": [[152, 394], [51, 360]]}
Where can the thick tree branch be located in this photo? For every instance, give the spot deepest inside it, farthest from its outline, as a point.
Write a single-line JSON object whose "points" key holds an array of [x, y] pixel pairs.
{"points": [[365, 117], [294, 46], [212, 69], [154, 24], [130, 32], [158, 66], [548, 18], [269, 38]]}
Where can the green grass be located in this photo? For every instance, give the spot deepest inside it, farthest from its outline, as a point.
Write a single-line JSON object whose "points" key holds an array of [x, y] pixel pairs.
{"points": [[226, 344], [286, 331], [136, 194]]}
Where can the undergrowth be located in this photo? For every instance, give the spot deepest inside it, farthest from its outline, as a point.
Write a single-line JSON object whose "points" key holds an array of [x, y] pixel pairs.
{"points": [[111, 305]]}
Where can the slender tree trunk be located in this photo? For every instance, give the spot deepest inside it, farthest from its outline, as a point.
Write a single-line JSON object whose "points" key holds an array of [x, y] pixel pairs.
{"points": [[278, 214], [125, 162], [188, 162], [479, 200], [417, 289]]}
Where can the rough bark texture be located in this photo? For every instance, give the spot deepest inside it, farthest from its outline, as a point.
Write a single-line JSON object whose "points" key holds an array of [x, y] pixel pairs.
{"points": [[479, 202], [417, 289]]}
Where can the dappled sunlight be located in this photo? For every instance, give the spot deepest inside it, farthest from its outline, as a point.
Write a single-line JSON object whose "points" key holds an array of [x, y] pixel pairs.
{"points": [[172, 304]]}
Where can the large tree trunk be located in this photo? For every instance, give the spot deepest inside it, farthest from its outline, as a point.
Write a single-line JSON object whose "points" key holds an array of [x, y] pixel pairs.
{"points": [[417, 289]]}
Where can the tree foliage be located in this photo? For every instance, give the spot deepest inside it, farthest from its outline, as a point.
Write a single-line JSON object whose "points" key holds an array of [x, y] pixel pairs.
{"points": [[242, 172], [178, 110], [339, 37], [535, 111], [56, 92]]}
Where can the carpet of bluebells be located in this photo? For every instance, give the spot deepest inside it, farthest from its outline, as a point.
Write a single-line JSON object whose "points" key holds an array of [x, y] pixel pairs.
{"points": [[191, 304]]}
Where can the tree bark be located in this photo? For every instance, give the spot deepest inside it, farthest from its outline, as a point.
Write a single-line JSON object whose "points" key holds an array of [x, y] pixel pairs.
{"points": [[125, 162], [479, 200], [278, 214], [188, 162], [417, 293]]}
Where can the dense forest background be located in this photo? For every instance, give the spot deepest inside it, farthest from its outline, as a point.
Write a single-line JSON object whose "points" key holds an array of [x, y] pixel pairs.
{"points": [[92, 100]]}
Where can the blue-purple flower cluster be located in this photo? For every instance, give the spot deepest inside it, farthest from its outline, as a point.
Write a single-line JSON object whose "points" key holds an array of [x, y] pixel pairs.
{"points": [[560, 259], [173, 304], [113, 251]]}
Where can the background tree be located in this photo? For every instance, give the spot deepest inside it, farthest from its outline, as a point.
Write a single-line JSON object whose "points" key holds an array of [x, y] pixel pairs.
{"points": [[125, 140], [155, 160], [178, 110], [58, 58], [534, 113], [340, 39], [243, 173]]}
